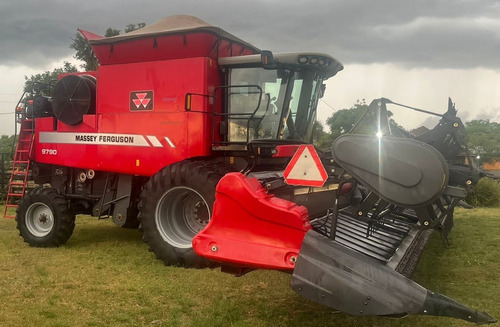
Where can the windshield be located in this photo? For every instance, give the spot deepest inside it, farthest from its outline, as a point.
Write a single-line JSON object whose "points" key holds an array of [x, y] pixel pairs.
{"points": [[301, 113], [271, 104]]}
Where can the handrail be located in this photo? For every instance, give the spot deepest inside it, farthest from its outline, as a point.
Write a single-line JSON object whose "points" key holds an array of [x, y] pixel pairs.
{"points": [[245, 115], [16, 117]]}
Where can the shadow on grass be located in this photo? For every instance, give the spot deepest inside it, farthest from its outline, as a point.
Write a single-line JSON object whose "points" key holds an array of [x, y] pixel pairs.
{"points": [[89, 230]]}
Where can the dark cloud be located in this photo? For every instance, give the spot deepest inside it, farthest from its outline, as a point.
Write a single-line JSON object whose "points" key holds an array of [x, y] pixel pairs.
{"points": [[424, 33], [492, 114]]}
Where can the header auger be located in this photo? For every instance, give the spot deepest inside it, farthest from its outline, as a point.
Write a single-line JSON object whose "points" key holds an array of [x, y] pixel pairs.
{"points": [[201, 138]]}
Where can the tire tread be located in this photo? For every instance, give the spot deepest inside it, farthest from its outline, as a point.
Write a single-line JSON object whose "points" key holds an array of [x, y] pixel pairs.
{"points": [[198, 174]]}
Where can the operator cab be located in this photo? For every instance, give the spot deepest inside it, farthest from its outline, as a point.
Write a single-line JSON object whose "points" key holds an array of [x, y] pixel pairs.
{"points": [[273, 97]]}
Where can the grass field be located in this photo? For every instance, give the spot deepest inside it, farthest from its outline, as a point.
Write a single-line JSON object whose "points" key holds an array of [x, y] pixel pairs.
{"points": [[104, 276]]}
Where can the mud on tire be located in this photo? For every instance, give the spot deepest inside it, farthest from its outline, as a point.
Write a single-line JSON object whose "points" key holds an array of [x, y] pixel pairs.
{"points": [[176, 204], [43, 218]]}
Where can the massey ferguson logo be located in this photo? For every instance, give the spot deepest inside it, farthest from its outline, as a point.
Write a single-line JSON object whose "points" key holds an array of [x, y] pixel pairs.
{"points": [[141, 100]]}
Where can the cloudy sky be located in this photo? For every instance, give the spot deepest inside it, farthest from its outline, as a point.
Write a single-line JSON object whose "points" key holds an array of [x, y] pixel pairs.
{"points": [[417, 52]]}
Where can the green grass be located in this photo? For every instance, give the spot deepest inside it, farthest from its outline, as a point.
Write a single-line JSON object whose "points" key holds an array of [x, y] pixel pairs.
{"points": [[104, 276], [486, 193]]}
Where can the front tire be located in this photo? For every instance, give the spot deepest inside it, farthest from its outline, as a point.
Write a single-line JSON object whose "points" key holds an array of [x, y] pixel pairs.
{"points": [[43, 218], [176, 204]]}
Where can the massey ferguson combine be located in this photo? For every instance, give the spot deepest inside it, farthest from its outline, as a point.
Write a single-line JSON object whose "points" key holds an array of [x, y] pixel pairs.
{"points": [[205, 141]]}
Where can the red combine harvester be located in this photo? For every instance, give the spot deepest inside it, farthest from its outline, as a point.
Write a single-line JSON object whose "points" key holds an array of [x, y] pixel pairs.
{"points": [[205, 141]]}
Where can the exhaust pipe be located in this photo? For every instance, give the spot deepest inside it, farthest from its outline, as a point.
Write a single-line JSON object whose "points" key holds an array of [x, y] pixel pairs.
{"points": [[338, 277]]}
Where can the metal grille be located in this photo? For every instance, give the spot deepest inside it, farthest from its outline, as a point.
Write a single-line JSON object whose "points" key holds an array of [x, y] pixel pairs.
{"points": [[380, 240]]}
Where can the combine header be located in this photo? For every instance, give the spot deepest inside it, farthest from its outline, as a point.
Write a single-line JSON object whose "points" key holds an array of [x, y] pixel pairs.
{"points": [[205, 141]]}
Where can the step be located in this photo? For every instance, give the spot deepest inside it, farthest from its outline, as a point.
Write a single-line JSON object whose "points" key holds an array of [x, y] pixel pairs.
{"points": [[23, 181], [19, 180], [5, 214]]}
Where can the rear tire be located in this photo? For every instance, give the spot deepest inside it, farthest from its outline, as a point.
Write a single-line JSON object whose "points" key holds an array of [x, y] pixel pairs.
{"points": [[176, 204], [43, 218]]}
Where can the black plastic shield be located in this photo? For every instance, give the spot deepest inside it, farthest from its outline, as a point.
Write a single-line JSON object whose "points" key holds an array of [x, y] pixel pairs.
{"points": [[333, 275], [402, 171]]}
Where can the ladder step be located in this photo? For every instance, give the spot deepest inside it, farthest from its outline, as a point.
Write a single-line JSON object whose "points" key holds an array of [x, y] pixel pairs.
{"points": [[8, 215], [20, 167]]}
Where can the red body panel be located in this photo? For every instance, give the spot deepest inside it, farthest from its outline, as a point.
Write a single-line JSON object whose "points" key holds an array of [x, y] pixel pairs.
{"points": [[139, 142], [251, 228]]}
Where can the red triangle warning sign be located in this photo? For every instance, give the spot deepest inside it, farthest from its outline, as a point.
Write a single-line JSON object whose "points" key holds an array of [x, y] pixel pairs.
{"points": [[305, 168]]}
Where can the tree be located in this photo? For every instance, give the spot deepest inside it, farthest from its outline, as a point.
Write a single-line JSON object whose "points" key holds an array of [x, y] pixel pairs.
{"points": [[6, 143], [339, 122], [84, 50], [343, 120], [133, 27], [47, 76], [361, 114], [111, 32], [483, 139], [84, 53], [323, 140]]}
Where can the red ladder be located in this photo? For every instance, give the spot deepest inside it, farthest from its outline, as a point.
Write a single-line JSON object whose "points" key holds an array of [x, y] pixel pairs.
{"points": [[20, 167]]}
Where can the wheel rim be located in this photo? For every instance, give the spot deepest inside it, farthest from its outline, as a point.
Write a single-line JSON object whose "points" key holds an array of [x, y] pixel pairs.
{"points": [[39, 219], [180, 214]]}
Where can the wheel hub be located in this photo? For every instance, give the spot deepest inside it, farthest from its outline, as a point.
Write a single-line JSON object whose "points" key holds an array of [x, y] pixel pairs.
{"points": [[43, 218], [181, 213], [39, 219]]}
